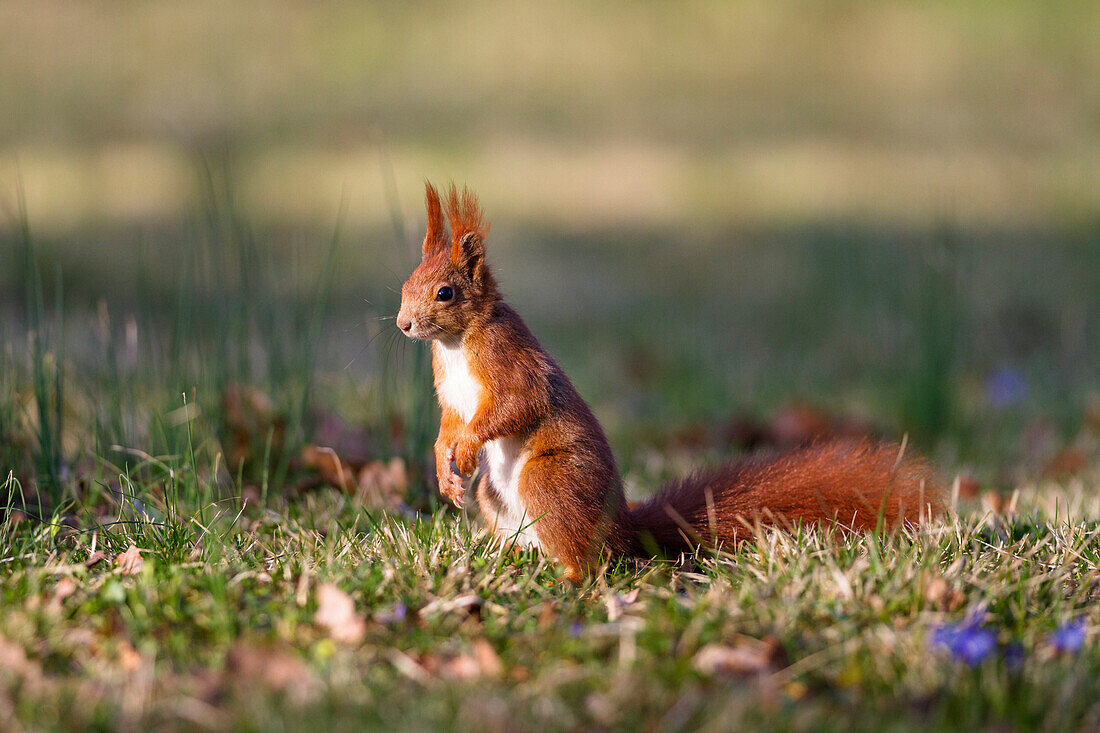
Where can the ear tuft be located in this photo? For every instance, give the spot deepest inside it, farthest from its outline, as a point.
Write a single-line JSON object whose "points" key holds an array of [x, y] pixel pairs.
{"points": [[468, 230], [436, 238], [465, 214]]}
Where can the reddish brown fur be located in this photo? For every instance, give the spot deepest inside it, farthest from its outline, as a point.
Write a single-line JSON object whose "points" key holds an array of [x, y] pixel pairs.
{"points": [[465, 215], [859, 484], [436, 238], [569, 485]]}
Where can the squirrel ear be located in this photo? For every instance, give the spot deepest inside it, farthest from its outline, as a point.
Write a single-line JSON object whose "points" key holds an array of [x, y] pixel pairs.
{"points": [[468, 255], [436, 237]]}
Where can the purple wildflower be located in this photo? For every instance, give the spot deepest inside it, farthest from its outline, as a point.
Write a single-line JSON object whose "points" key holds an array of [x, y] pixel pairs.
{"points": [[576, 629], [969, 641], [394, 615], [1005, 387], [1069, 637], [1014, 655]]}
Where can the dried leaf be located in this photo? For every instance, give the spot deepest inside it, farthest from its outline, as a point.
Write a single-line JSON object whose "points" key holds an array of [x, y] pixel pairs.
{"points": [[275, 668], [462, 667], [940, 595], [1066, 462], [383, 484], [334, 471], [251, 419], [746, 657], [487, 659], [129, 658], [14, 664], [480, 661], [994, 502], [616, 604], [1092, 413], [968, 487], [467, 602], [64, 588], [548, 615], [336, 614], [798, 424], [94, 559], [130, 562]]}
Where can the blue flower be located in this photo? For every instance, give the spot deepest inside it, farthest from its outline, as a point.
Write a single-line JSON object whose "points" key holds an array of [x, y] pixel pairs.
{"points": [[1014, 655], [1069, 637], [969, 641], [394, 615], [1005, 387]]}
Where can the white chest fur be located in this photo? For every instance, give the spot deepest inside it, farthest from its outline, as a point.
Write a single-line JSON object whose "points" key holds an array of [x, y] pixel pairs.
{"points": [[504, 458], [458, 388]]}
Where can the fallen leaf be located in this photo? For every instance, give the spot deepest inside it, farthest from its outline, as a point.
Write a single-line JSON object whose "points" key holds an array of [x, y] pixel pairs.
{"points": [[64, 588], [968, 487], [1066, 462], [334, 471], [617, 603], [251, 420], [94, 559], [1092, 413], [383, 484], [461, 667], [940, 595], [129, 658], [336, 614], [273, 667], [14, 664], [480, 661], [130, 562], [994, 502], [798, 424], [548, 615], [467, 602], [487, 659], [746, 657]]}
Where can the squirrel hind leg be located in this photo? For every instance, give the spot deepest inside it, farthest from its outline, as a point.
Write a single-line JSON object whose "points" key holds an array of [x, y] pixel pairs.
{"points": [[571, 539]]}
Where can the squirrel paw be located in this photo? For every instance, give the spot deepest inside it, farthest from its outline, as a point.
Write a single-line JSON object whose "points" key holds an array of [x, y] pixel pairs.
{"points": [[466, 457], [450, 483], [451, 487]]}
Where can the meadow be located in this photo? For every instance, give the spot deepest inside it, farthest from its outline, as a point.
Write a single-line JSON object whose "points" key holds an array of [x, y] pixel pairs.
{"points": [[218, 507]]}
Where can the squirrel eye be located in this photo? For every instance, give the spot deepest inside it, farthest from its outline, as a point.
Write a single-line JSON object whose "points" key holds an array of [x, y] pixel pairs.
{"points": [[445, 293]]}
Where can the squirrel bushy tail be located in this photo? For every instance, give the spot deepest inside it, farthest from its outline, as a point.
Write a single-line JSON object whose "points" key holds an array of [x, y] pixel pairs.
{"points": [[858, 484]]}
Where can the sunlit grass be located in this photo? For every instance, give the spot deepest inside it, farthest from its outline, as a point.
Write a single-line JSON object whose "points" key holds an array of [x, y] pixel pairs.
{"points": [[853, 617]]}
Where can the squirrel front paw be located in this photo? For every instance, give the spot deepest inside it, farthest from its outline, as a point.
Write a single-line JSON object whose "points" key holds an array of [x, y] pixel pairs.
{"points": [[450, 483], [466, 456]]}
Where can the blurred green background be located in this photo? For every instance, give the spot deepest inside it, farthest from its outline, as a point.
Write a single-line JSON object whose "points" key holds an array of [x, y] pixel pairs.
{"points": [[705, 209]]}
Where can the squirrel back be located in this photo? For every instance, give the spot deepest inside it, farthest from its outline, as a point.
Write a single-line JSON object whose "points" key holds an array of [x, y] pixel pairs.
{"points": [[548, 476]]}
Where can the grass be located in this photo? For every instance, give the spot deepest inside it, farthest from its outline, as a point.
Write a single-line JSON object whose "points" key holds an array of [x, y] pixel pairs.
{"points": [[191, 640]]}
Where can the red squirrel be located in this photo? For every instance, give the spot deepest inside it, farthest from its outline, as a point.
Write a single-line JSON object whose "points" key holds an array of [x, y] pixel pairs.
{"points": [[549, 478]]}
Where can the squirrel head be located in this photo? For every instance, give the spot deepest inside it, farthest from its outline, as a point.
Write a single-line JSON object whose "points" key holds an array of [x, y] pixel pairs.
{"points": [[452, 286]]}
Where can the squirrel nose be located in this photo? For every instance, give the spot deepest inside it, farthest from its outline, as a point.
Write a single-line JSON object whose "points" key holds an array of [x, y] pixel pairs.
{"points": [[404, 324]]}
